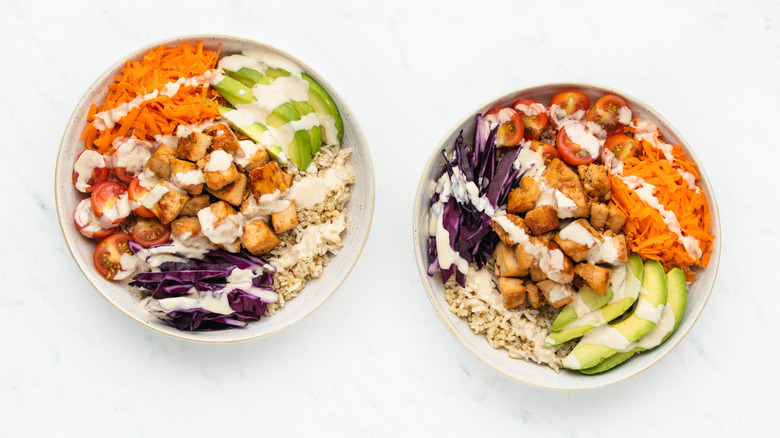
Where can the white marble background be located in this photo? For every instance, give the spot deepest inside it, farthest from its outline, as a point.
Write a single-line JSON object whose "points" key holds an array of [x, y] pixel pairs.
{"points": [[376, 360]]}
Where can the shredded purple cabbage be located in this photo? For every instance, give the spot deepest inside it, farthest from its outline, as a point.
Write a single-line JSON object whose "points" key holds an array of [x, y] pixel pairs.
{"points": [[468, 226]]}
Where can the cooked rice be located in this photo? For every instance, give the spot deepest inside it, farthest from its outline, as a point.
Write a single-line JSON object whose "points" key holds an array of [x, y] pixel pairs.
{"points": [[290, 281], [520, 331]]}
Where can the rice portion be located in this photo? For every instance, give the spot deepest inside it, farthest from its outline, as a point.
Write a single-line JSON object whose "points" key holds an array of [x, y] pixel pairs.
{"points": [[520, 331], [318, 234]]}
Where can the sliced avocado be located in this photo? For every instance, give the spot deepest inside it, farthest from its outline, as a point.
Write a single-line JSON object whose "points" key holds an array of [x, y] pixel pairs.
{"points": [[299, 150], [328, 112], [274, 73], [234, 91], [592, 348], [314, 133], [676, 301], [618, 305], [249, 76], [592, 299], [256, 132]]}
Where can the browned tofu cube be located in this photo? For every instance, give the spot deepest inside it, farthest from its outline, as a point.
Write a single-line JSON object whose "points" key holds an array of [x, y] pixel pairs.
{"points": [[616, 218], [512, 290], [268, 179], [523, 198], [218, 169], [223, 138], [506, 262], [542, 219], [533, 295], [171, 203], [185, 227], [194, 205], [258, 237], [187, 176], [193, 147], [595, 181], [504, 235], [251, 156], [561, 177], [598, 215], [233, 193], [524, 259], [556, 294], [537, 274], [160, 161], [234, 247], [286, 219], [557, 266], [581, 237], [596, 277]]}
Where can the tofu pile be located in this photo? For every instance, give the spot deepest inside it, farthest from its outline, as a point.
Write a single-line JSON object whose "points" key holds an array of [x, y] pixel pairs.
{"points": [[207, 162], [559, 249]]}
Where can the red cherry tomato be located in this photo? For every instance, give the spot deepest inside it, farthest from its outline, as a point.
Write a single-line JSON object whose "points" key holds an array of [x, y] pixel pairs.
{"points": [[87, 223], [547, 151], [89, 170], [510, 128], [108, 254], [109, 204], [611, 113], [621, 145], [534, 116], [136, 192], [122, 175], [569, 104], [147, 232], [129, 158], [577, 145]]}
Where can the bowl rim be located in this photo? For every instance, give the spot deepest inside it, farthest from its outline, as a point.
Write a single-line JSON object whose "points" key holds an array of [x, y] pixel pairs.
{"points": [[175, 333], [420, 255]]}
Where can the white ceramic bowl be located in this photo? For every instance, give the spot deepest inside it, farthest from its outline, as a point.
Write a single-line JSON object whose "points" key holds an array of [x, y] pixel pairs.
{"points": [[359, 208], [527, 372]]}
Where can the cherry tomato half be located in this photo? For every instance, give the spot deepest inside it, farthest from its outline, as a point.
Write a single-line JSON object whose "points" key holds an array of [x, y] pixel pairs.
{"points": [[510, 129], [547, 151], [621, 145], [87, 223], [611, 113], [109, 202], [147, 232], [568, 104], [534, 116], [122, 175], [136, 193], [89, 170], [108, 254], [129, 158], [577, 145]]}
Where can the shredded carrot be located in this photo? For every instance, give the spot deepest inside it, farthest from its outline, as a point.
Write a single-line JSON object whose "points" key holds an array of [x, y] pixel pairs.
{"points": [[160, 115], [649, 235]]}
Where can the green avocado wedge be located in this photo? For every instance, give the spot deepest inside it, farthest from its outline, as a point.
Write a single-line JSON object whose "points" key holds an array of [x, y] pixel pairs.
{"points": [[299, 150], [673, 312], [609, 339], [315, 134], [249, 76], [327, 111], [624, 296], [591, 300], [234, 91], [256, 132]]}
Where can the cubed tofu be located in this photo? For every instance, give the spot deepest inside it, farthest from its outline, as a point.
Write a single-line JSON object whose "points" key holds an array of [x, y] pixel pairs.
{"points": [[251, 156], [286, 219], [598, 215], [595, 181], [187, 175], [219, 173], [170, 204], [595, 276], [556, 294], [233, 193], [525, 261], [194, 205], [537, 274], [507, 263], [557, 266], [542, 219], [503, 234], [533, 295], [223, 138], [616, 218], [159, 162], [577, 238], [512, 290], [612, 250], [523, 198], [258, 237], [268, 179], [193, 147], [561, 177], [234, 247], [184, 227]]}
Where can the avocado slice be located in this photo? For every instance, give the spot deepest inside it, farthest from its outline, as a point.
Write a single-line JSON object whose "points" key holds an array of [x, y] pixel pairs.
{"points": [[256, 131], [591, 299], [234, 91], [274, 73], [249, 76], [327, 111], [607, 340], [315, 134], [676, 301], [618, 304], [299, 150]]}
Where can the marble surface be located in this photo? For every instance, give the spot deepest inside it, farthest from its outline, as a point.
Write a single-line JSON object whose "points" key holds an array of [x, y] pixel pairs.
{"points": [[376, 360]]}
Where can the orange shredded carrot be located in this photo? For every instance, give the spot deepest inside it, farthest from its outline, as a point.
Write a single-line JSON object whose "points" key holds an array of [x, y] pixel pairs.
{"points": [[649, 235], [160, 115]]}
